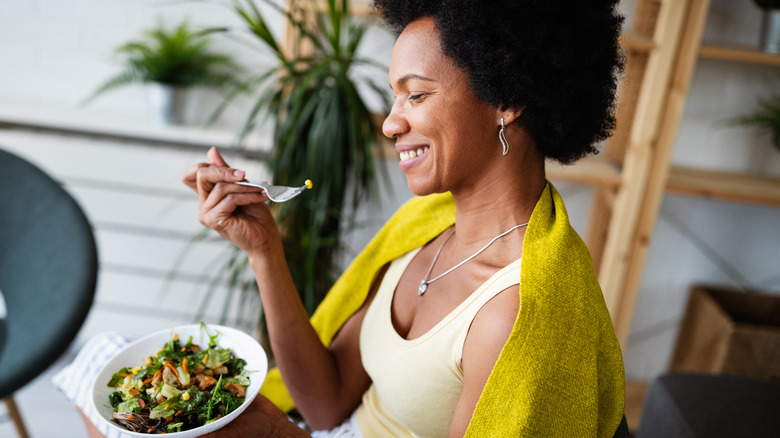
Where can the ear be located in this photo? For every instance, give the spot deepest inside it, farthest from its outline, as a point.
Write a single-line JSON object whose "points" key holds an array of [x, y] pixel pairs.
{"points": [[509, 115]]}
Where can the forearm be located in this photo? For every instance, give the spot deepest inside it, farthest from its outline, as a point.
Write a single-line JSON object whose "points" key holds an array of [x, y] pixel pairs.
{"points": [[311, 373]]}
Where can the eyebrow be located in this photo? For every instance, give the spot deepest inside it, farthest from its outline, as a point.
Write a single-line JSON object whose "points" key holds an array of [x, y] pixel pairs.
{"points": [[411, 76]]}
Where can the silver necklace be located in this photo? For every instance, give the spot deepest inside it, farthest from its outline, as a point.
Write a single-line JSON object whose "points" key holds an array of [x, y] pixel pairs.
{"points": [[425, 282]]}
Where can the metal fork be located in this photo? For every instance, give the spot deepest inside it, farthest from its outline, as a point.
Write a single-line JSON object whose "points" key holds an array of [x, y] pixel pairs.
{"points": [[278, 193]]}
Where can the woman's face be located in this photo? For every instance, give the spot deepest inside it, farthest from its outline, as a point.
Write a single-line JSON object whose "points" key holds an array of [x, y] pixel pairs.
{"points": [[445, 136]]}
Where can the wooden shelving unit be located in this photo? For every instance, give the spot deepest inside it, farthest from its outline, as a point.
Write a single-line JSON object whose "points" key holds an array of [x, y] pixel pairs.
{"points": [[738, 54], [634, 42], [596, 170], [728, 186], [634, 172]]}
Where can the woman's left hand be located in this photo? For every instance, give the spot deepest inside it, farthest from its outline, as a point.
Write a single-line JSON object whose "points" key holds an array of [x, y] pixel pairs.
{"points": [[260, 419]]}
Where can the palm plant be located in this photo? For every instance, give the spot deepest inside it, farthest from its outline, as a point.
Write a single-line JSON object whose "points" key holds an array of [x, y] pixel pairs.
{"points": [[766, 117], [322, 130], [178, 58]]}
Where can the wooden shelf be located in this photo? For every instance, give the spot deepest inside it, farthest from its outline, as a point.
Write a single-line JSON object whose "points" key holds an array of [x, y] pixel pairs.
{"points": [[738, 54], [635, 42], [729, 186], [593, 170]]}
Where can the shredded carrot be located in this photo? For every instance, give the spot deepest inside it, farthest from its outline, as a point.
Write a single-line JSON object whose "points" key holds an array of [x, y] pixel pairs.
{"points": [[133, 391], [124, 375], [147, 381], [150, 430], [205, 358], [175, 373], [175, 336], [177, 413], [168, 420], [184, 365], [129, 417], [183, 349]]}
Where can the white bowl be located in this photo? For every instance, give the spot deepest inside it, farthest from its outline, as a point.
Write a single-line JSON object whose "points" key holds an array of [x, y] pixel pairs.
{"points": [[243, 346]]}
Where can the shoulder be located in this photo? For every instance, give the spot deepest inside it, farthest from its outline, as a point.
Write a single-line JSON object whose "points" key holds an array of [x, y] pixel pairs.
{"points": [[491, 328]]}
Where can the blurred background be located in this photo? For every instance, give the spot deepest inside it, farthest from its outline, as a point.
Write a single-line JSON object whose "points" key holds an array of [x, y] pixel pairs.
{"points": [[123, 165]]}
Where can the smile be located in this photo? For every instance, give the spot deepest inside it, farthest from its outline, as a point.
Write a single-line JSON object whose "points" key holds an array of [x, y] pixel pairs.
{"points": [[407, 155]]}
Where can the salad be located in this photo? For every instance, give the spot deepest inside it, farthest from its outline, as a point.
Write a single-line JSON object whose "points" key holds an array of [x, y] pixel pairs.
{"points": [[181, 387]]}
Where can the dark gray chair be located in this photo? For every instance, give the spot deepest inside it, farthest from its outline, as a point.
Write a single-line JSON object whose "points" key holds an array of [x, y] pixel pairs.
{"points": [[48, 273], [622, 430], [688, 405]]}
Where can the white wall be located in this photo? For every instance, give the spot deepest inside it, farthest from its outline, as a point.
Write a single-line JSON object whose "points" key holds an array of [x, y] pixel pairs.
{"points": [[54, 52]]}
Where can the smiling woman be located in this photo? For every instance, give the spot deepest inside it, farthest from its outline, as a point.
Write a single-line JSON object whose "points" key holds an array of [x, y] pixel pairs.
{"points": [[438, 122], [475, 310]]}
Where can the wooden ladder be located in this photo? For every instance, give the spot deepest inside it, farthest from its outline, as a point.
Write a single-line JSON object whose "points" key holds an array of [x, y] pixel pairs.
{"points": [[661, 51]]}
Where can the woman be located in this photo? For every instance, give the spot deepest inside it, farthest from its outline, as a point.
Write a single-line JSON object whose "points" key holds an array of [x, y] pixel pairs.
{"points": [[475, 310], [430, 332]]}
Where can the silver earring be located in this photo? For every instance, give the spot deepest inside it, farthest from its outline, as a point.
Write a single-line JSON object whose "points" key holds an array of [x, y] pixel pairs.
{"points": [[502, 138]]}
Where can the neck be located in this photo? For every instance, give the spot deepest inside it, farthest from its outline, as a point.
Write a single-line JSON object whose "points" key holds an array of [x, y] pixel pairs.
{"points": [[502, 198]]}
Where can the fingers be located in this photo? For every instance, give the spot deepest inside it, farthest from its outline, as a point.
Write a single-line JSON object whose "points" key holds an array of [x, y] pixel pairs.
{"points": [[207, 177], [223, 201], [189, 178], [217, 218], [215, 158]]}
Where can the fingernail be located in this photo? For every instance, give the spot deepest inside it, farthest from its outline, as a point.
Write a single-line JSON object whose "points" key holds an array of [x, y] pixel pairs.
{"points": [[239, 173]]}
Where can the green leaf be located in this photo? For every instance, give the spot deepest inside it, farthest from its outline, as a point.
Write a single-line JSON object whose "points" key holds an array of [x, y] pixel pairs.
{"points": [[115, 398], [766, 118], [116, 379], [129, 406], [179, 57]]}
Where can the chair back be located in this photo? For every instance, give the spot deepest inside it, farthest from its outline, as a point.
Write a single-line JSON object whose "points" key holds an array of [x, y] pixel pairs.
{"points": [[48, 270]]}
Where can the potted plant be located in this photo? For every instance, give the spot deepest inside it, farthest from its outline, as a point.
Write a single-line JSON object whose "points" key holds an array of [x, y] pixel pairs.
{"points": [[770, 29], [766, 117], [168, 63], [323, 130]]}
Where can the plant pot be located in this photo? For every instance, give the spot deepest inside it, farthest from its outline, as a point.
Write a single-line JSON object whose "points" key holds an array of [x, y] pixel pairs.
{"points": [[166, 104], [770, 31]]}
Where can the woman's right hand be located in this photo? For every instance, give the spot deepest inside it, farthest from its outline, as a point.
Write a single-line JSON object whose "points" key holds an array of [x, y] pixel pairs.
{"points": [[327, 383], [238, 213]]}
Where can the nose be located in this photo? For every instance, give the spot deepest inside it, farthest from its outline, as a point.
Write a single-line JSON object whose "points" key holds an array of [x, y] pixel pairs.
{"points": [[395, 123]]}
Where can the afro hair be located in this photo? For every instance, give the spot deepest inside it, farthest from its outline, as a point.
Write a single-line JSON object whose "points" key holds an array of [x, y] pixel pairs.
{"points": [[557, 60]]}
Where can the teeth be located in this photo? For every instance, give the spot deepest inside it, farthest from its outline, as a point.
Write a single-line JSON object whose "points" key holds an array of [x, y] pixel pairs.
{"points": [[406, 155]]}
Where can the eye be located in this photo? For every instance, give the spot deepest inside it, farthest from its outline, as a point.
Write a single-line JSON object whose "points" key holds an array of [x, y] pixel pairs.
{"points": [[417, 97]]}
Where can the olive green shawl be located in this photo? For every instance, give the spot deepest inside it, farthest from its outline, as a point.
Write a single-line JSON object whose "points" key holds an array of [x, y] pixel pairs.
{"points": [[561, 370]]}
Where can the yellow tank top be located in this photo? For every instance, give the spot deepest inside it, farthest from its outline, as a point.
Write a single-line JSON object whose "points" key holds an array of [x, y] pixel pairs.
{"points": [[417, 383]]}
